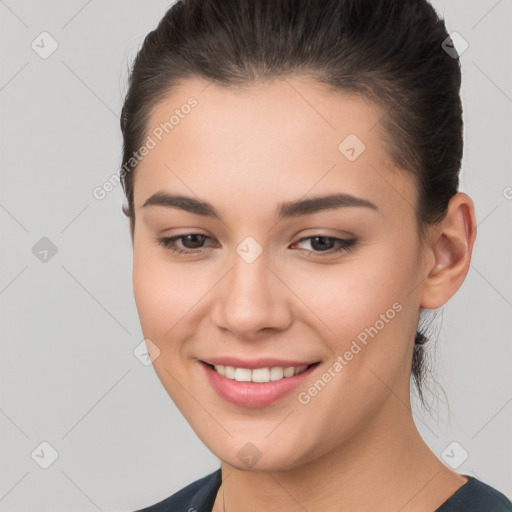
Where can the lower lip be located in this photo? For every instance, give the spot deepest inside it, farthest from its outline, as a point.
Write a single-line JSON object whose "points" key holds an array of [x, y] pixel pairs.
{"points": [[254, 394]]}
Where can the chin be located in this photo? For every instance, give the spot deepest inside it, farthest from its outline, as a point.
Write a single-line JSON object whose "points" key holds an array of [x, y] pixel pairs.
{"points": [[260, 455]]}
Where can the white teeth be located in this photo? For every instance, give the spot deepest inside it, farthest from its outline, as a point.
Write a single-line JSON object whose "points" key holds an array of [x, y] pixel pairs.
{"points": [[276, 373], [289, 372], [258, 374], [243, 375]]}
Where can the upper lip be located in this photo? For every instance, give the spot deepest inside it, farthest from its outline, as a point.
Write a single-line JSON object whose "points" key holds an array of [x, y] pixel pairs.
{"points": [[262, 362]]}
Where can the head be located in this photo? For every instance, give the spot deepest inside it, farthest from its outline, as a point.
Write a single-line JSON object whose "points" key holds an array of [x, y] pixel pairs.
{"points": [[248, 116]]}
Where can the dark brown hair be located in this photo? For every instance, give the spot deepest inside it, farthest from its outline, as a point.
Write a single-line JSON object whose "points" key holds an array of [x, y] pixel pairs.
{"points": [[390, 51]]}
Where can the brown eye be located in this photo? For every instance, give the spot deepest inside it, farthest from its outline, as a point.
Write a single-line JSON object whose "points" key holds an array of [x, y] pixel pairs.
{"points": [[322, 243], [327, 245], [191, 243]]}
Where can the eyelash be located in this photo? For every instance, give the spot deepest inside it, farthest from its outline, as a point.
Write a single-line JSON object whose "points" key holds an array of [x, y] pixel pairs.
{"points": [[346, 245]]}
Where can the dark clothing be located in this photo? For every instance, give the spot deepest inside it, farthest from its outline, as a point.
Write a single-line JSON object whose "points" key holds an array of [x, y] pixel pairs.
{"points": [[199, 496]]}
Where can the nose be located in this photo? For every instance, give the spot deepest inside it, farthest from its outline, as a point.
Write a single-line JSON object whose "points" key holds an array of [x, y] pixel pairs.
{"points": [[252, 298]]}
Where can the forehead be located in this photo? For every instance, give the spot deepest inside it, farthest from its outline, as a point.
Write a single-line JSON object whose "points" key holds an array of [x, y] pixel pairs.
{"points": [[290, 110], [285, 137]]}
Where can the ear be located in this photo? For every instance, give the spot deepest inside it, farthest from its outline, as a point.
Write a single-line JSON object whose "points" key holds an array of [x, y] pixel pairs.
{"points": [[126, 210], [449, 252]]}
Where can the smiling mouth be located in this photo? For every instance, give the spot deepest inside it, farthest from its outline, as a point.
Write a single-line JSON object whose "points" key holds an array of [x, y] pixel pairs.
{"points": [[259, 375]]}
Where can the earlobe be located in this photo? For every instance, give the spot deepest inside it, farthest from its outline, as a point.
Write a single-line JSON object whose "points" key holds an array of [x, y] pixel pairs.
{"points": [[451, 247]]}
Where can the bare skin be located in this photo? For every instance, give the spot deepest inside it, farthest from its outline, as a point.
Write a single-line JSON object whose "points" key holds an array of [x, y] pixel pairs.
{"points": [[353, 446]]}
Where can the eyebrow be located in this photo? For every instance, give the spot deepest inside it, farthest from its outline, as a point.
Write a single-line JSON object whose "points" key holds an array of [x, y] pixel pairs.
{"points": [[284, 210]]}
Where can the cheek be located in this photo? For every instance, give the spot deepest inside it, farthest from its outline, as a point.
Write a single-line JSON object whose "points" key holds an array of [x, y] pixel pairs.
{"points": [[364, 308], [366, 304], [167, 296], [350, 296], [165, 293]]}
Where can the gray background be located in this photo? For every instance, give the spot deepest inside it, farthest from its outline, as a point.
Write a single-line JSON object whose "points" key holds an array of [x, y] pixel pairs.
{"points": [[69, 325]]}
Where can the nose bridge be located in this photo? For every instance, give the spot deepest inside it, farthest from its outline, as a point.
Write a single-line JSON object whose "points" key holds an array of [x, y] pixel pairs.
{"points": [[251, 297]]}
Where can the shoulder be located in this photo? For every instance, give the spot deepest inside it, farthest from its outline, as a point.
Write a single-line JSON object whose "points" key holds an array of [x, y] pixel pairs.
{"points": [[198, 496], [476, 496]]}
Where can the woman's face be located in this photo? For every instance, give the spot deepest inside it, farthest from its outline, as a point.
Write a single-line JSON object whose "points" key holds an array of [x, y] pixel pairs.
{"points": [[257, 284]]}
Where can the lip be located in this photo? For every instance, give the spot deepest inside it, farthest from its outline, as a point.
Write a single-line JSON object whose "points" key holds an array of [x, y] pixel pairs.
{"points": [[262, 362], [255, 394]]}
